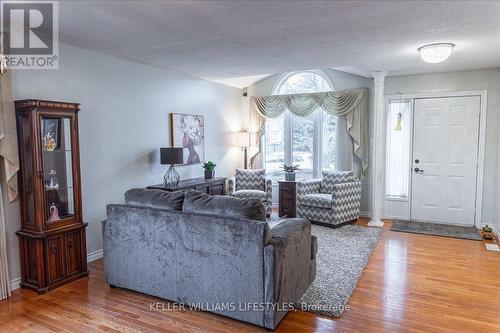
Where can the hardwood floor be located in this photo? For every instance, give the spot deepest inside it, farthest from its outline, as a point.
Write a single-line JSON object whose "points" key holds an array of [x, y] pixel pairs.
{"points": [[413, 283]]}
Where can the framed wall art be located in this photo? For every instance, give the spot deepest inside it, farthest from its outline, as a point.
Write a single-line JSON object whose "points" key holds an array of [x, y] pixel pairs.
{"points": [[188, 132]]}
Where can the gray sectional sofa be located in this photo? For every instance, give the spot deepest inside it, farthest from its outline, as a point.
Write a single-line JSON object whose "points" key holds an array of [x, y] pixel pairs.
{"points": [[217, 253]]}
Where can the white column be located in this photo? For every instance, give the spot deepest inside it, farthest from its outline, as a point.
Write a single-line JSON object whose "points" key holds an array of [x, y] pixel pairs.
{"points": [[378, 153]]}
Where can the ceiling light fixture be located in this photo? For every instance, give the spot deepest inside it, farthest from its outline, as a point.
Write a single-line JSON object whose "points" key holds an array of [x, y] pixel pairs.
{"points": [[435, 53]]}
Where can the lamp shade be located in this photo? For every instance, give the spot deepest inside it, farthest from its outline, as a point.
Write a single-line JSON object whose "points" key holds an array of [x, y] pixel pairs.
{"points": [[242, 139], [171, 155]]}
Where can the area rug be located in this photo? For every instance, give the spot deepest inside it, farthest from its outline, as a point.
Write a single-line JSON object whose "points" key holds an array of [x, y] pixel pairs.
{"points": [[436, 229], [342, 255]]}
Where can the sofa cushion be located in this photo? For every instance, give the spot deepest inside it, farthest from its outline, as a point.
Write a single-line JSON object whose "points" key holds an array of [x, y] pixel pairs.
{"points": [[250, 179], [319, 200], [330, 178], [250, 194], [221, 205], [155, 198]]}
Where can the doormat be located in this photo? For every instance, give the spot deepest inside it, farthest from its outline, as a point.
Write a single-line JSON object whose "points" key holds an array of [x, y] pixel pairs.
{"points": [[436, 229]]}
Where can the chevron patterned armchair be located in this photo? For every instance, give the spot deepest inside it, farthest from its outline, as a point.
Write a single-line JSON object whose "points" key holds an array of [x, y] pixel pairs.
{"points": [[333, 200], [252, 184]]}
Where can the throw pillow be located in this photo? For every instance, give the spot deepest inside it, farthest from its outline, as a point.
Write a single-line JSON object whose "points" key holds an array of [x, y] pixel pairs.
{"points": [[331, 178], [155, 198], [222, 205], [250, 179]]}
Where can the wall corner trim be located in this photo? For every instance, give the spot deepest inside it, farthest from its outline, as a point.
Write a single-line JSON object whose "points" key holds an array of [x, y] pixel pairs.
{"points": [[95, 255], [15, 283]]}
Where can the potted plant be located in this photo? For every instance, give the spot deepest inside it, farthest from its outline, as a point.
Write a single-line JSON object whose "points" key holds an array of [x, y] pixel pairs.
{"points": [[209, 169], [487, 232], [290, 171]]}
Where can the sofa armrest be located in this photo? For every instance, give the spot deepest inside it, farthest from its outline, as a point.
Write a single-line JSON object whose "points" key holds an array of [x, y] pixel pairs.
{"points": [[231, 185], [347, 194], [269, 190], [287, 260], [346, 189], [307, 187]]}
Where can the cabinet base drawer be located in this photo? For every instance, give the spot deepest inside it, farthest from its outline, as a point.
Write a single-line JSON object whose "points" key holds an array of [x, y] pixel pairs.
{"points": [[52, 259]]}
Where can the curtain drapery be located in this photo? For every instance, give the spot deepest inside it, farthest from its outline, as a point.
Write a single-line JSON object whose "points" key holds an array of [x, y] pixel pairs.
{"points": [[8, 132], [257, 127], [8, 136], [10, 160], [351, 104], [344, 156], [4, 270]]}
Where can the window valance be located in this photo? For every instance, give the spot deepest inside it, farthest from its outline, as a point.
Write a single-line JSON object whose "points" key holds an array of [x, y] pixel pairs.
{"points": [[351, 104]]}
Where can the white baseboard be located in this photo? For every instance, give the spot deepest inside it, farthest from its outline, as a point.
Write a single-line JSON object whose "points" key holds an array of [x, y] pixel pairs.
{"points": [[15, 283], [385, 217], [391, 217], [91, 256], [365, 214]]}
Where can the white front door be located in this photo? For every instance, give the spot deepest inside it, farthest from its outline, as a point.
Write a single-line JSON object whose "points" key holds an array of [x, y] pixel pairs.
{"points": [[445, 154]]}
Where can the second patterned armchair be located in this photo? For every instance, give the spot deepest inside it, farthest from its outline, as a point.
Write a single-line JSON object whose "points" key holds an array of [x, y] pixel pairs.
{"points": [[333, 200], [252, 184]]}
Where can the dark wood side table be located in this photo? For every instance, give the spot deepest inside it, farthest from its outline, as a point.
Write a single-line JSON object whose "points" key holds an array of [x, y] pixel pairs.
{"points": [[213, 186], [287, 198]]}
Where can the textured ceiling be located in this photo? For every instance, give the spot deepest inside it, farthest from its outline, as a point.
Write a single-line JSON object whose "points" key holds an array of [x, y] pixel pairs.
{"points": [[236, 42]]}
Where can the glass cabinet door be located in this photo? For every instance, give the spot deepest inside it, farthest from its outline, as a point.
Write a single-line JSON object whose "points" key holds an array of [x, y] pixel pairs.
{"points": [[27, 170], [57, 167]]}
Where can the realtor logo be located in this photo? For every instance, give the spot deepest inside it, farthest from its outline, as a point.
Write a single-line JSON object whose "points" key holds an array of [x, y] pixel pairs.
{"points": [[30, 34]]}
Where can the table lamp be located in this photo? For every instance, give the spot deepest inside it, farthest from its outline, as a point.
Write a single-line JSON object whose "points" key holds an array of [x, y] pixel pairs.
{"points": [[171, 156]]}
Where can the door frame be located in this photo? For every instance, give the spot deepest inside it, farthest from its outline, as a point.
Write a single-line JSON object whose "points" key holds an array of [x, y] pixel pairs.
{"points": [[483, 108]]}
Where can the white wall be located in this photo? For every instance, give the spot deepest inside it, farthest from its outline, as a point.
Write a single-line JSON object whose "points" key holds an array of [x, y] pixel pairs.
{"points": [[123, 122], [489, 80], [340, 81]]}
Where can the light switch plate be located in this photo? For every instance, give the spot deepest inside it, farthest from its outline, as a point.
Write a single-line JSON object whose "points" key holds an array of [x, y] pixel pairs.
{"points": [[492, 247]]}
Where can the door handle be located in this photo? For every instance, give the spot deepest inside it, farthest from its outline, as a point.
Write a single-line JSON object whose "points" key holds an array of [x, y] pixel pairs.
{"points": [[418, 170]]}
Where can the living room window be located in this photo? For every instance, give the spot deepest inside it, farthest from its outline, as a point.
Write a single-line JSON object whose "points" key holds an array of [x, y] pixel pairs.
{"points": [[274, 147], [305, 141]]}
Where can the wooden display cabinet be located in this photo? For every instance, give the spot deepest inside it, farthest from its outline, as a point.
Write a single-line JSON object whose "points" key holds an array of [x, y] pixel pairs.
{"points": [[52, 237]]}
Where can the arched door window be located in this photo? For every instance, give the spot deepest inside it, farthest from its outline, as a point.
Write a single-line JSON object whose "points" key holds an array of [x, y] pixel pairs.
{"points": [[305, 141]]}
